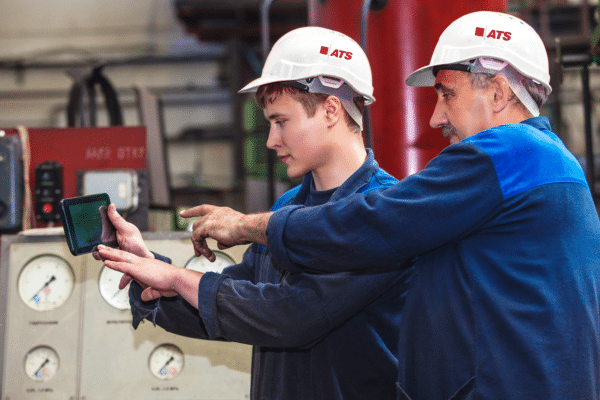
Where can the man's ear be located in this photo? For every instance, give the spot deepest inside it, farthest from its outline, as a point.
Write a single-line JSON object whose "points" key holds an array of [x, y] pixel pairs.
{"points": [[501, 93], [333, 110]]}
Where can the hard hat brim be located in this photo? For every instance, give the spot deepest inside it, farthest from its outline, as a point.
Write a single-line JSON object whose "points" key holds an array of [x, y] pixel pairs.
{"points": [[254, 85], [421, 77]]}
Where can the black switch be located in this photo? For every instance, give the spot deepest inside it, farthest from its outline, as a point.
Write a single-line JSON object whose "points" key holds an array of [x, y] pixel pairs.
{"points": [[48, 190]]}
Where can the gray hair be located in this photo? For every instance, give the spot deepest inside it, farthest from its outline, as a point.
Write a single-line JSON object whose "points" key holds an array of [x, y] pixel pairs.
{"points": [[481, 80]]}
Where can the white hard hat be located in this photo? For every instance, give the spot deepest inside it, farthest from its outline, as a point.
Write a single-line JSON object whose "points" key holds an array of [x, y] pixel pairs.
{"points": [[311, 52], [488, 35]]}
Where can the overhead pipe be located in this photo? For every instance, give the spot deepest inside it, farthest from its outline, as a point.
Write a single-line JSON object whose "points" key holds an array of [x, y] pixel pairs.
{"points": [[367, 6], [364, 29], [583, 61]]}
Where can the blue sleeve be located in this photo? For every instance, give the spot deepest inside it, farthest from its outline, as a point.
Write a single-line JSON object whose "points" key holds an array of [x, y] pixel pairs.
{"points": [[453, 195], [175, 314], [296, 312], [141, 310], [245, 270], [161, 258], [164, 311]]}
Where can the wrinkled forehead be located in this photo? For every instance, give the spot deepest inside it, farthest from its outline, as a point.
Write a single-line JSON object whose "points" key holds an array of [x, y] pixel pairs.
{"points": [[448, 79]]}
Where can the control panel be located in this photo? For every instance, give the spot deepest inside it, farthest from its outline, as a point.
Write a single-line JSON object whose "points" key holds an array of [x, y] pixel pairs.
{"points": [[65, 330], [48, 190]]}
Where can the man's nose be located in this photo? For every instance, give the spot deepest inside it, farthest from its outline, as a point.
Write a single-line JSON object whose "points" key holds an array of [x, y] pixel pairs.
{"points": [[438, 118], [274, 138]]}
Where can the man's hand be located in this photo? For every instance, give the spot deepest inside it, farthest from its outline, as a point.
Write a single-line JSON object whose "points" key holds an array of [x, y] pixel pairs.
{"points": [[129, 236], [156, 277], [228, 227]]}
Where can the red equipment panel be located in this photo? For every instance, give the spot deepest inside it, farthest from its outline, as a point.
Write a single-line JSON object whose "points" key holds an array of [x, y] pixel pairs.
{"points": [[77, 149]]}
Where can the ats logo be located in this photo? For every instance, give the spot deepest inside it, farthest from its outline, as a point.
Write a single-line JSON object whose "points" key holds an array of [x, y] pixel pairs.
{"points": [[494, 34], [336, 53]]}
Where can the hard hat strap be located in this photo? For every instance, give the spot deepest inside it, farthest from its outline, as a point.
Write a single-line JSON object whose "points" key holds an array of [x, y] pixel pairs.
{"points": [[340, 89], [514, 78], [515, 82]]}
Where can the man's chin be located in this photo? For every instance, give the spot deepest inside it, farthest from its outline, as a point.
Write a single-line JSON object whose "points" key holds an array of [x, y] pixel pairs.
{"points": [[453, 139]]}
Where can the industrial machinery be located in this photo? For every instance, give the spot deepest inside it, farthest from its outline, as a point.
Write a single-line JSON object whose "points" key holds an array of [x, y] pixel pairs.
{"points": [[59, 163], [65, 330]]}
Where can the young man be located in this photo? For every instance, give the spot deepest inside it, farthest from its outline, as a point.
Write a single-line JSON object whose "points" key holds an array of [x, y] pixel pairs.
{"points": [[315, 336], [506, 302]]}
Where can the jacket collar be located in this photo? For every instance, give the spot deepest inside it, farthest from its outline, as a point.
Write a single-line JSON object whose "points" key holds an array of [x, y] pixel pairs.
{"points": [[359, 178], [541, 123]]}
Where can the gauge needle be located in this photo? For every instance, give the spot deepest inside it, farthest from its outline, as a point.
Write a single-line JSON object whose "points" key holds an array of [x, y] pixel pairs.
{"points": [[42, 366], [168, 362], [52, 279]]}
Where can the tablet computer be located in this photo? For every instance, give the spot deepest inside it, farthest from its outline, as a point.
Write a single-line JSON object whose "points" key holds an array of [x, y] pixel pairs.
{"points": [[86, 223]]}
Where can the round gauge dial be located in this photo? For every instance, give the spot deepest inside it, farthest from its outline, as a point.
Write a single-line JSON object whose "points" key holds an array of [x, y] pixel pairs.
{"points": [[166, 361], [41, 363], [108, 284], [202, 264], [46, 282]]}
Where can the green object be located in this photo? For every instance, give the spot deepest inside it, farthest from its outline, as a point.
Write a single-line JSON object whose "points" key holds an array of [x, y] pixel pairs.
{"points": [[180, 222], [255, 156], [251, 114], [255, 144], [255, 159], [161, 219]]}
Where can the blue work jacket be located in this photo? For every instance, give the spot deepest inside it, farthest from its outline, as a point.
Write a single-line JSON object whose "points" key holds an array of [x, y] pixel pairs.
{"points": [[505, 303], [315, 336]]}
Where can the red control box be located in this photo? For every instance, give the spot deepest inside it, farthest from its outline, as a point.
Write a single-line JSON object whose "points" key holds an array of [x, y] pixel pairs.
{"points": [[80, 149]]}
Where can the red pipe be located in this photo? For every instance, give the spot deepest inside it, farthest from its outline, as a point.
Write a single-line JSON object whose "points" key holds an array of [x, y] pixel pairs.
{"points": [[401, 38]]}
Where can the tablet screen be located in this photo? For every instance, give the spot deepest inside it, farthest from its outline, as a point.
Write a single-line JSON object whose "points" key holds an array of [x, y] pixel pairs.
{"points": [[86, 223]]}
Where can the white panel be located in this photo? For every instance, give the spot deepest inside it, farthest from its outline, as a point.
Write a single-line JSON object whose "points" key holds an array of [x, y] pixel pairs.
{"points": [[27, 329], [101, 356]]}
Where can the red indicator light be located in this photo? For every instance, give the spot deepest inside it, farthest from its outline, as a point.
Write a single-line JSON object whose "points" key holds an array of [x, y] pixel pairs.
{"points": [[47, 208]]}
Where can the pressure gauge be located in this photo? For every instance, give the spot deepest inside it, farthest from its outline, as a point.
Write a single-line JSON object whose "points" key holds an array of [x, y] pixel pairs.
{"points": [[46, 282], [41, 363], [108, 284], [166, 361], [202, 264]]}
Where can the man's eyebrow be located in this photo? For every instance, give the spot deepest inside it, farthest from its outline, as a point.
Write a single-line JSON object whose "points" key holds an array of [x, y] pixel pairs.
{"points": [[439, 87], [274, 116]]}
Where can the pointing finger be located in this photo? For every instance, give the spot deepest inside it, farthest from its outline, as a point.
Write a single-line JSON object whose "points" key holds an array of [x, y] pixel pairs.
{"points": [[197, 211]]}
